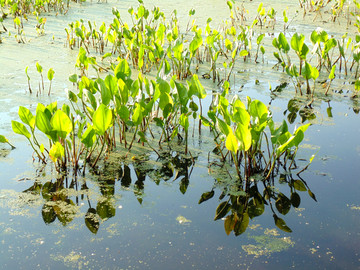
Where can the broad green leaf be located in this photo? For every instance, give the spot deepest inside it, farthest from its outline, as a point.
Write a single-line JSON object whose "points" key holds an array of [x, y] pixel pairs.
{"points": [[332, 73], [122, 70], [106, 94], [3, 139], [295, 199], [42, 122], [224, 128], [283, 204], [61, 123], [243, 134], [89, 137], [137, 115], [27, 117], [231, 142], [258, 110], [102, 119], [229, 223], [297, 42], [241, 224], [184, 121]]}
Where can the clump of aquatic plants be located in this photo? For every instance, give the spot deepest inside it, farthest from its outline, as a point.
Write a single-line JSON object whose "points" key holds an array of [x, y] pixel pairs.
{"points": [[240, 135]]}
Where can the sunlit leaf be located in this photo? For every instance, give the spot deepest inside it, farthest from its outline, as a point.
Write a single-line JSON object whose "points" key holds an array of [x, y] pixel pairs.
{"points": [[102, 119], [19, 128]]}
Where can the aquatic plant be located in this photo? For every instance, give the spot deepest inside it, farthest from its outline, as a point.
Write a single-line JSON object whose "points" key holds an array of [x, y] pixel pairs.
{"points": [[3, 139]]}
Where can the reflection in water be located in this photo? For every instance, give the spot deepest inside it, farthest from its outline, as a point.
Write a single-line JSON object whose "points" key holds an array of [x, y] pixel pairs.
{"points": [[240, 200], [62, 199]]}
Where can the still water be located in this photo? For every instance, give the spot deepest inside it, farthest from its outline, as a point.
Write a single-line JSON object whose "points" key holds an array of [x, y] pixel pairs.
{"points": [[148, 211]]}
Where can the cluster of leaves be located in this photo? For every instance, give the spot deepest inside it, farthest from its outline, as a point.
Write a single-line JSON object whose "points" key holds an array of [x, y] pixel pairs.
{"points": [[104, 108], [240, 134], [154, 43], [329, 53]]}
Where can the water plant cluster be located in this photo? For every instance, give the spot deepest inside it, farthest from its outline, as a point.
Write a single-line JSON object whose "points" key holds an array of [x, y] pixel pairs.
{"points": [[128, 107], [20, 11], [152, 42]]}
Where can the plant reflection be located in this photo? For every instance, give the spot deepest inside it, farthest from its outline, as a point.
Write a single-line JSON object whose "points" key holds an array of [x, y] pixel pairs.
{"points": [[63, 200], [242, 200]]}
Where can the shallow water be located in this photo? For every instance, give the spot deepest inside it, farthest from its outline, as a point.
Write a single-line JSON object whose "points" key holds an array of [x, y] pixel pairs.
{"points": [[147, 220]]}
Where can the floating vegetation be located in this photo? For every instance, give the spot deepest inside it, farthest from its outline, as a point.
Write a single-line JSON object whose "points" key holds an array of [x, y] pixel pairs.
{"points": [[267, 244]]}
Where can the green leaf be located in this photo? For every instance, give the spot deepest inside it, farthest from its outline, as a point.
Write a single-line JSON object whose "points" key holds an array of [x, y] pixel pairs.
{"points": [[258, 110], [243, 134], [332, 73], [224, 128], [50, 74], [312, 195], [106, 94], [231, 142], [283, 204], [137, 115], [102, 119], [3, 139], [92, 221], [61, 123], [42, 122], [184, 121], [19, 128], [27, 117], [297, 42], [283, 42], [89, 137], [56, 152], [39, 67]]}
